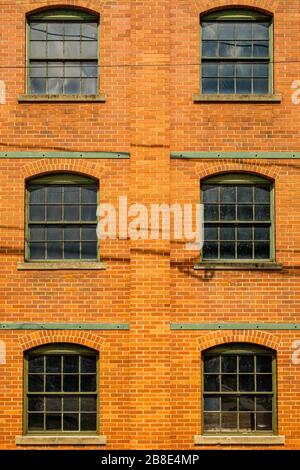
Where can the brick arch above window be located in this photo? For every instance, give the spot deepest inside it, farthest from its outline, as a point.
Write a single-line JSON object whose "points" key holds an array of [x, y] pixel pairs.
{"points": [[262, 169], [253, 337], [42, 167], [77, 338], [209, 6]]}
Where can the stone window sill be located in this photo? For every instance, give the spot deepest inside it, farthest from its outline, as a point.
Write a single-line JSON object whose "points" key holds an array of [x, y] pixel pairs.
{"points": [[238, 266], [60, 440], [199, 98], [240, 440], [63, 98], [63, 265]]}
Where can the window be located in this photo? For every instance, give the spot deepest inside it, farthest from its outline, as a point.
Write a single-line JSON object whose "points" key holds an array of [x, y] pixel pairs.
{"points": [[237, 218], [236, 53], [63, 53], [61, 218], [239, 389], [61, 390]]}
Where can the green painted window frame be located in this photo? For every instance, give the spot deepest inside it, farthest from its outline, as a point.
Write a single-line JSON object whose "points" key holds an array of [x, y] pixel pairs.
{"points": [[241, 349], [243, 179], [60, 349], [57, 178], [60, 14], [241, 15]]}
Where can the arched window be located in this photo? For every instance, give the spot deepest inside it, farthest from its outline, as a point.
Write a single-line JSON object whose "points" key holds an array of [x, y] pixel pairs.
{"points": [[61, 218], [238, 218], [62, 52], [239, 389], [61, 389], [236, 52]]}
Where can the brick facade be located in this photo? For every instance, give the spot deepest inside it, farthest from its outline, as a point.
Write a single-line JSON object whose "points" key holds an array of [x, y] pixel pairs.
{"points": [[150, 376]]}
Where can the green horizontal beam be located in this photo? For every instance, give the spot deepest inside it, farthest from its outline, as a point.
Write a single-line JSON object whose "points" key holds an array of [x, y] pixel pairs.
{"points": [[235, 326], [63, 326], [118, 155], [259, 155]]}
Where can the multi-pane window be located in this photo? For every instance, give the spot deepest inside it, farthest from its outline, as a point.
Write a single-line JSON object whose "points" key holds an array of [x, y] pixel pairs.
{"points": [[238, 390], [61, 390], [237, 218], [63, 53], [62, 218], [236, 54]]}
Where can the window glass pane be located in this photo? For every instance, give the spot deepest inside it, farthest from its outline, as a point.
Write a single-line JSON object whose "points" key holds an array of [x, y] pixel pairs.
{"points": [[72, 31], [53, 403], [72, 250], [88, 364], [226, 30], [210, 194], [245, 212], [37, 195], [37, 251], [261, 70], [89, 233], [38, 69], [209, 49], [227, 194], [88, 383], [212, 421], [229, 363], [89, 86], [227, 49], [71, 363], [246, 383], [54, 213], [243, 70], [37, 213], [55, 50], [35, 383], [261, 49], [53, 422], [37, 233], [246, 403], [226, 70], [71, 403], [210, 251], [244, 232], [71, 383], [72, 49], [38, 50], [264, 403], [71, 194], [209, 70], [35, 421], [228, 421], [54, 233], [53, 383], [53, 364], [211, 383], [261, 194], [54, 250], [262, 212], [211, 403], [72, 86], [264, 421], [262, 250], [88, 421], [71, 213], [55, 31], [261, 86], [89, 195], [261, 31], [210, 85], [72, 233], [245, 194], [246, 422], [89, 50], [89, 31], [71, 421], [36, 403], [38, 31], [209, 30], [246, 364], [229, 403], [54, 194], [244, 250], [210, 233], [264, 364], [243, 49], [244, 30], [89, 403], [212, 364], [36, 364], [229, 383], [244, 86], [55, 69], [227, 233], [89, 69], [88, 213], [55, 86], [38, 85], [227, 212], [89, 250], [262, 232]]}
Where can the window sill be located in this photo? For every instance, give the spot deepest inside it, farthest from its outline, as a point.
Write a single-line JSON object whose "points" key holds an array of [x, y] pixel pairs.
{"points": [[242, 440], [61, 98], [238, 266], [71, 265], [199, 98], [60, 440]]}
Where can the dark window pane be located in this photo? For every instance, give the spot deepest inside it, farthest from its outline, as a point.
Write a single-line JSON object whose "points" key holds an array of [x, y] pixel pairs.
{"points": [[210, 194], [261, 195], [226, 70], [227, 194], [227, 250], [89, 233], [89, 195], [243, 86], [212, 364], [264, 383], [36, 364], [71, 213], [229, 403], [71, 364], [246, 403], [260, 49], [244, 70], [244, 250], [35, 383], [89, 69], [37, 251], [53, 404], [37, 213], [243, 49], [36, 403], [88, 383], [246, 422], [227, 49], [89, 250], [53, 364], [54, 213], [210, 251], [245, 213], [226, 85], [264, 421], [37, 195], [226, 30], [89, 403], [38, 86], [229, 363], [209, 86], [209, 30], [71, 403], [209, 48], [211, 383], [71, 383], [35, 422], [260, 86], [229, 421], [243, 30], [209, 70], [72, 86], [89, 86], [55, 86], [72, 233], [88, 421], [246, 383], [38, 31], [261, 31], [88, 213], [246, 364], [71, 194], [211, 403], [263, 363], [229, 383], [244, 232], [72, 250], [71, 422], [54, 233], [53, 422], [262, 232], [260, 70], [210, 233], [54, 250], [227, 233], [210, 212], [264, 403], [212, 422], [227, 212], [262, 250], [88, 364], [53, 383]]}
